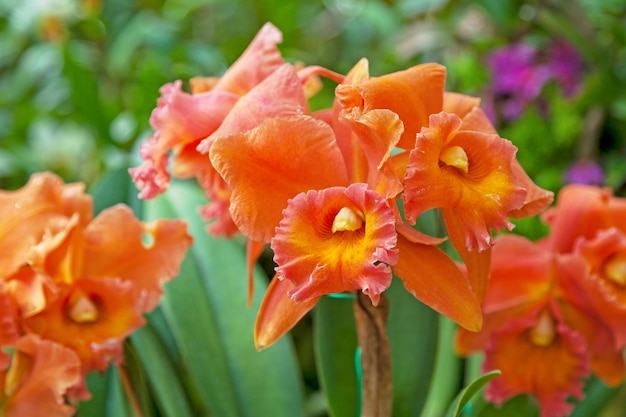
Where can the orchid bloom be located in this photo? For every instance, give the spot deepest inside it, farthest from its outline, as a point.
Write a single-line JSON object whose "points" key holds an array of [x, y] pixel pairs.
{"points": [[314, 214], [591, 222], [537, 332], [80, 281], [105, 277], [182, 120]]}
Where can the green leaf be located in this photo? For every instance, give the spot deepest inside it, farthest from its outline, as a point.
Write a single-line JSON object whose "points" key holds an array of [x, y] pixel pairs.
{"points": [[117, 404], [335, 346], [97, 385], [413, 331], [464, 397], [115, 187], [168, 392], [447, 374], [213, 329]]}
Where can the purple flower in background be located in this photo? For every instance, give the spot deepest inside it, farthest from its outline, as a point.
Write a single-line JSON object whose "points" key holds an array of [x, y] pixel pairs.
{"points": [[520, 71], [584, 172], [517, 78], [567, 66]]}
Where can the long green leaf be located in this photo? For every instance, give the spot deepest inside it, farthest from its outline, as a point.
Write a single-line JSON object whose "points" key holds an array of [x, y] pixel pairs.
{"points": [[413, 331], [447, 374], [161, 374], [335, 347], [206, 309]]}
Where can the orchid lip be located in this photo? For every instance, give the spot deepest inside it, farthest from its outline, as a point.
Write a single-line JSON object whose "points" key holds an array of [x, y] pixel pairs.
{"points": [[543, 332], [83, 310], [455, 156], [347, 220], [615, 269]]}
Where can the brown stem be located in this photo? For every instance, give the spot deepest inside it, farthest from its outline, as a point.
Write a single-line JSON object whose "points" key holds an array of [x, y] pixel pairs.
{"points": [[377, 388]]}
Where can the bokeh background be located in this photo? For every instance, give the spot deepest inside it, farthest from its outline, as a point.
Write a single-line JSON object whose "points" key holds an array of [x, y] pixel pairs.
{"points": [[79, 78]]}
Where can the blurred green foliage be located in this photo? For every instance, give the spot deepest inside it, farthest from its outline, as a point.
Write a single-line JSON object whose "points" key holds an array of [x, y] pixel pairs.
{"points": [[79, 78]]}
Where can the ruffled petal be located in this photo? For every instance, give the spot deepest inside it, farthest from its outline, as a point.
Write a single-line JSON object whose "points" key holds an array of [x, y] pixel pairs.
{"points": [[270, 164], [278, 313], [605, 284], [179, 119], [528, 353], [348, 142], [537, 199], [319, 257], [467, 171], [413, 94], [118, 245], [580, 212], [258, 61], [40, 375], [378, 131], [217, 211], [435, 279], [43, 207], [280, 94]]}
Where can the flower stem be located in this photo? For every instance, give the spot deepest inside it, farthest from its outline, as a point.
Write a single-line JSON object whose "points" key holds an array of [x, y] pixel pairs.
{"points": [[377, 388]]}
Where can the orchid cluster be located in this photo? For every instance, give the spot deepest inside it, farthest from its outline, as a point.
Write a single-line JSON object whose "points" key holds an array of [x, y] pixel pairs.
{"points": [[555, 309], [73, 288], [336, 192]]}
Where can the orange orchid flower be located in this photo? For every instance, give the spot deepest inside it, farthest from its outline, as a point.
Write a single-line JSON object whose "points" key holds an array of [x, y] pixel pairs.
{"points": [[591, 222], [536, 324], [314, 213], [81, 282], [182, 120], [457, 169], [332, 220], [38, 377], [605, 286], [462, 166], [105, 276]]}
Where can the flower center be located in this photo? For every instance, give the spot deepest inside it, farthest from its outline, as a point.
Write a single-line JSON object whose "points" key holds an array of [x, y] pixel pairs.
{"points": [[455, 156], [543, 332], [347, 220], [82, 309], [615, 269]]}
